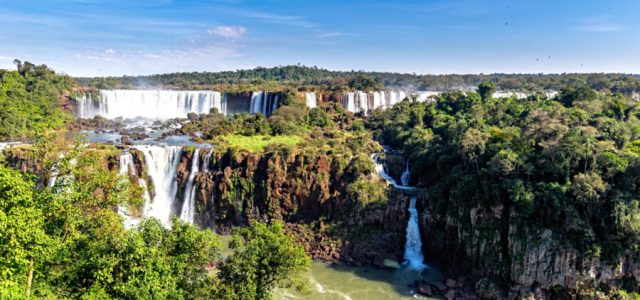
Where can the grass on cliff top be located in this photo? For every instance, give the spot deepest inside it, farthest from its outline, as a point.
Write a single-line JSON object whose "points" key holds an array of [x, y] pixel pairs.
{"points": [[257, 143]]}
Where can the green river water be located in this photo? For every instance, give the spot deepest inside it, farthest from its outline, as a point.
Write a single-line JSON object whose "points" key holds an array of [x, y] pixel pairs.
{"points": [[344, 282]]}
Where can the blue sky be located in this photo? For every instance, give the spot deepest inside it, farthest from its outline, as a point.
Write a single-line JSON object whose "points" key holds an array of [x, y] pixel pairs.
{"points": [[117, 37]]}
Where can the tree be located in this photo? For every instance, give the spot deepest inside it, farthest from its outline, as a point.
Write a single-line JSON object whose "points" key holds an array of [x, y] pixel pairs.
{"points": [[265, 258], [486, 90], [23, 240]]}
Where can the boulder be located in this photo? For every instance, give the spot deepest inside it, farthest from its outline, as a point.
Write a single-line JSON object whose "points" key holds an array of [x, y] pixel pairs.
{"points": [[423, 288], [452, 283], [450, 295]]}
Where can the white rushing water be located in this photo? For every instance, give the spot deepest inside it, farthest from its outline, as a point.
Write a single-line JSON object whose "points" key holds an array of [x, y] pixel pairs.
{"points": [[413, 246], [406, 174], [312, 101], [149, 104], [162, 164], [379, 167], [189, 204], [357, 102], [264, 103]]}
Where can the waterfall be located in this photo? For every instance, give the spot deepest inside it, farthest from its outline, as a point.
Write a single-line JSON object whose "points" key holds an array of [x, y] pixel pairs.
{"points": [[379, 167], [378, 100], [162, 164], [356, 102], [189, 203], [312, 102], [126, 167], [55, 171], [206, 161], [413, 246], [149, 104], [263, 102], [406, 174]]}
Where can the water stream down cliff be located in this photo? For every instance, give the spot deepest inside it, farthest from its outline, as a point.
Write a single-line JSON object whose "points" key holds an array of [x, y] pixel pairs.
{"points": [[413, 245]]}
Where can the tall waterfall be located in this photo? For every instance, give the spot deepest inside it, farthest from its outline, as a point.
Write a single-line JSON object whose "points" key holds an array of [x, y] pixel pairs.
{"points": [[264, 103], [413, 246], [149, 104], [162, 164], [189, 204], [312, 101]]}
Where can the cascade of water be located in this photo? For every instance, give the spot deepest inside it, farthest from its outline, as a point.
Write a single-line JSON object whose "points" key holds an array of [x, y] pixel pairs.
{"points": [[149, 104], [363, 102], [379, 167], [189, 204], [406, 174], [378, 100], [53, 174], [206, 161], [162, 164], [349, 102], [263, 102], [126, 166], [413, 246], [312, 102]]}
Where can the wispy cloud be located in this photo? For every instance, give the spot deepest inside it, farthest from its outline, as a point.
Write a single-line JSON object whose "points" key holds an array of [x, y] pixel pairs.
{"points": [[296, 21], [602, 24], [329, 34], [232, 32]]}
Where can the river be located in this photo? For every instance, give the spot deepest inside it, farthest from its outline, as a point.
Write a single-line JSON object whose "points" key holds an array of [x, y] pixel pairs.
{"points": [[345, 282]]}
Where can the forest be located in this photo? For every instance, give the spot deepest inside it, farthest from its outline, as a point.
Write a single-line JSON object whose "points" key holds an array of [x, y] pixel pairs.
{"points": [[298, 77], [568, 165]]}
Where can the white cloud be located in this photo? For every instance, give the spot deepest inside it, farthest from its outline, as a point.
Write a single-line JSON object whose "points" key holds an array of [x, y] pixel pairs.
{"points": [[109, 51], [600, 25], [329, 34], [601, 28], [232, 32], [4, 57]]}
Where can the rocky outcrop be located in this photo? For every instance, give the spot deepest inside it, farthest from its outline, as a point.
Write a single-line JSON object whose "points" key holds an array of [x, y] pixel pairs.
{"points": [[305, 190], [518, 263]]}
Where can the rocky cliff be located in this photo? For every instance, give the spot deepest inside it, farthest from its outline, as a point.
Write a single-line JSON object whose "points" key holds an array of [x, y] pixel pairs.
{"points": [[307, 191], [517, 263]]}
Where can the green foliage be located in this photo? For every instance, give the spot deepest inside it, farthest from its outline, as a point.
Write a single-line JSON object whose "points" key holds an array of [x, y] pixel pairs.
{"points": [[570, 165], [257, 143], [365, 191], [302, 78], [265, 258], [486, 90], [23, 235], [29, 101]]}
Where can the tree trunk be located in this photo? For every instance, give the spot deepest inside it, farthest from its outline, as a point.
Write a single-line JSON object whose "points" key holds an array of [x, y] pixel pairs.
{"points": [[29, 277]]}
